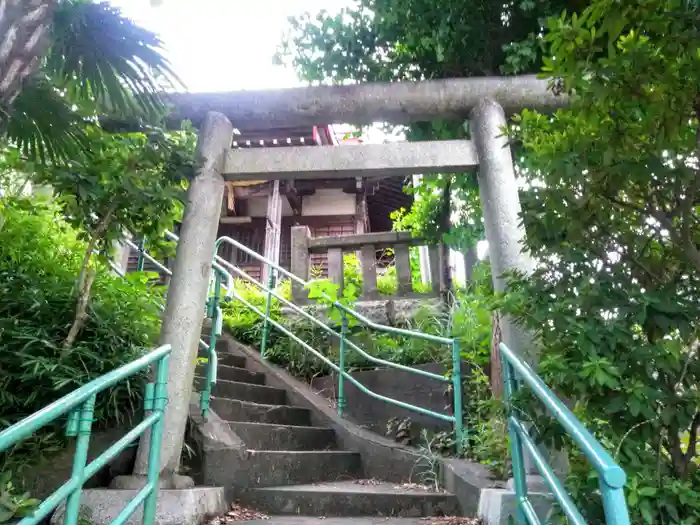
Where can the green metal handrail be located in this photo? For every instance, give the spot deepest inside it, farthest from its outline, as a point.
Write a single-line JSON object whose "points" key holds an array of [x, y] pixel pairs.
{"points": [[213, 311], [456, 419], [612, 477], [80, 405]]}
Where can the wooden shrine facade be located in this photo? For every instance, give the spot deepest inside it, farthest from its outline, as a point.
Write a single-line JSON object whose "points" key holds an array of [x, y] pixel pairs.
{"points": [[261, 214]]}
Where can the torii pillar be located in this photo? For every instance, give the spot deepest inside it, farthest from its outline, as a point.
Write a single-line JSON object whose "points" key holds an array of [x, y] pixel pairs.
{"points": [[187, 293], [500, 203]]}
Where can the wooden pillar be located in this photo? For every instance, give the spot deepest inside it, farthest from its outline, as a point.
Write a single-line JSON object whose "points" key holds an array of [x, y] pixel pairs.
{"points": [[300, 260], [273, 228]]}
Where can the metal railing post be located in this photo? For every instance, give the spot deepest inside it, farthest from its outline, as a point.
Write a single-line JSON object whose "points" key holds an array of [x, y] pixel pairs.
{"points": [[510, 387], [157, 403], [214, 313], [341, 365], [268, 307], [614, 505], [140, 260], [457, 393], [79, 425]]}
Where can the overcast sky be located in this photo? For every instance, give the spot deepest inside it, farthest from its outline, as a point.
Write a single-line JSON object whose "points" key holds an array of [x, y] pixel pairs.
{"points": [[223, 45]]}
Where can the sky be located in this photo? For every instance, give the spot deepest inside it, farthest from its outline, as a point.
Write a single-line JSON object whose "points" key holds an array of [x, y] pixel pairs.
{"points": [[224, 45]]}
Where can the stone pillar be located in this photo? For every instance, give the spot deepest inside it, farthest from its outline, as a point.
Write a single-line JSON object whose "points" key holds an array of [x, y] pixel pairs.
{"points": [[500, 203], [184, 309], [300, 261], [498, 191], [423, 256], [335, 268], [368, 264], [435, 269], [403, 270]]}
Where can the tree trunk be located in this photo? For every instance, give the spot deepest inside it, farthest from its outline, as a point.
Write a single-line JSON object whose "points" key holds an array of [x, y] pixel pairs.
{"points": [[81, 314], [24, 39], [85, 280]]}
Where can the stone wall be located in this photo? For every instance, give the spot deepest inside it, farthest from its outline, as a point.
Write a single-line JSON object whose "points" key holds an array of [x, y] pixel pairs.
{"points": [[374, 414]]}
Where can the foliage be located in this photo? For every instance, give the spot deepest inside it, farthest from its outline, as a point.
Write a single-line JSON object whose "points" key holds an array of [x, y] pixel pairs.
{"points": [[388, 40], [99, 64], [131, 182], [134, 182], [40, 256], [428, 466], [13, 504], [612, 214]]}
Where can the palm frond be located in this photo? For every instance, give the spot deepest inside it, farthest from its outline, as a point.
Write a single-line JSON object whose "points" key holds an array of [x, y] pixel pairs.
{"points": [[98, 55], [44, 124]]}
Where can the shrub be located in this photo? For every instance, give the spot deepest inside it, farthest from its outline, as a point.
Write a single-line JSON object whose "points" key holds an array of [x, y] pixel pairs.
{"points": [[40, 257]]}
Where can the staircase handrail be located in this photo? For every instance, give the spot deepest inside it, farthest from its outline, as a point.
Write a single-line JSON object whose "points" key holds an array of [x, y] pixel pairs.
{"points": [[330, 330], [80, 405], [612, 477], [455, 378], [335, 303], [345, 375], [213, 310]]}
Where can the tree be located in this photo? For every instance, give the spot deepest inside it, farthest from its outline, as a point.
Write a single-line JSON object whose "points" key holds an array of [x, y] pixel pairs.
{"points": [[130, 182], [612, 215], [390, 40], [65, 62]]}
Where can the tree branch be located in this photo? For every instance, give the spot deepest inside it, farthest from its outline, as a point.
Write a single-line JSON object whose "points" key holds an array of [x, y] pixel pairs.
{"points": [[687, 245], [85, 280], [80, 313], [693, 438]]}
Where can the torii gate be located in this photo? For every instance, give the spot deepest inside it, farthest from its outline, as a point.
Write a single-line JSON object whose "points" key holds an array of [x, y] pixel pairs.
{"points": [[484, 101]]}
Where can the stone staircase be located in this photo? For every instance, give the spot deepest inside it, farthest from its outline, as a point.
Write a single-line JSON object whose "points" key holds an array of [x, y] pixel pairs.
{"points": [[298, 469]]}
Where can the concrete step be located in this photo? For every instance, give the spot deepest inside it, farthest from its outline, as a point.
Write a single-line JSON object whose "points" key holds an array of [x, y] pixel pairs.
{"points": [[277, 468], [353, 498], [246, 391], [249, 412], [225, 358], [238, 374], [265, 436]]}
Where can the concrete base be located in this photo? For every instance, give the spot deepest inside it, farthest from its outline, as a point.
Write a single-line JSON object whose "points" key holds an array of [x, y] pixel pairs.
{"points": [[171, 482], [496, 506], [391, 311], [175, 507]]}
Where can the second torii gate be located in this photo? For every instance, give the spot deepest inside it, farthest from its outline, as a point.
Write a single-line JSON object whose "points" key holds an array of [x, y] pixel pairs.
{"points": [[484, 101]]}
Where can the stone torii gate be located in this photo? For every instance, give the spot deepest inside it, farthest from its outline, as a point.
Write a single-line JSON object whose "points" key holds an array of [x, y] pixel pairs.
{"points": [[485, 102]]}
